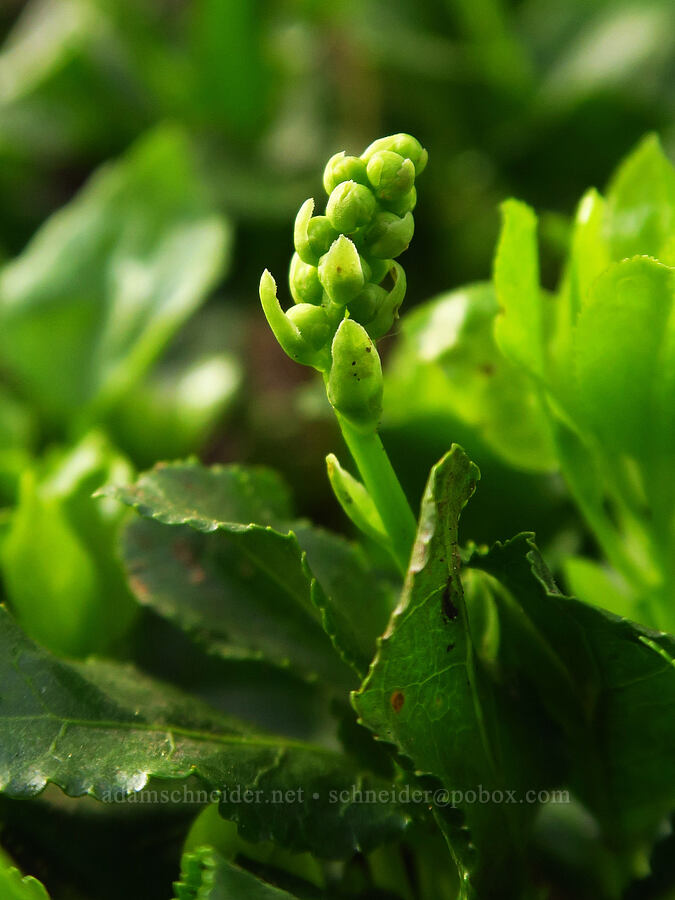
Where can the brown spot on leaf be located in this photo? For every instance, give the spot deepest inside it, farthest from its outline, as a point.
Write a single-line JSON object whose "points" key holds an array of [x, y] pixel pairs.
{"points": [[139, 588], [448, 608], [397, 700]]}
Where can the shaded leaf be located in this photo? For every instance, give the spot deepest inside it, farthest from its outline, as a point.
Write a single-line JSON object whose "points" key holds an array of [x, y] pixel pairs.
{"points": [[206, 875], [427, 694], [103, 729], [253, 589], [609, 683]]}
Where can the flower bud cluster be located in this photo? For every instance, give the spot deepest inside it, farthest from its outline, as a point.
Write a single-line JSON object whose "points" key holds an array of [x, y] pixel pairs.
{"points": [[344, 260], [344, 267]]}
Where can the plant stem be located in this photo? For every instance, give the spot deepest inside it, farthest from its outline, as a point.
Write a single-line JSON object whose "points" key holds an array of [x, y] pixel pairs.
{"points": [[384, 487]]}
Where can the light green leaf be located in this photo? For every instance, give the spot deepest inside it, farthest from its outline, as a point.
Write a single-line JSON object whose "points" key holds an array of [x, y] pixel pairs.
{"points": [[103, 729], [51, 581], [447, 363], [114, 274], [519, 327], [175, 410], [619, 345], [63, 580], [355, 500], [600, 586], [641, 202], [206, 875], [14, 886], [589, 257]]}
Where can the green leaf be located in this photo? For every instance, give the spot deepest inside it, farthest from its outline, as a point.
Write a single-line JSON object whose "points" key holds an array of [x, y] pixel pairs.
{"points": [[607, 682], [113, 274], [51, 580], [103, 729], [519, 328], [622, 343], [355, 605], [356, 502], [62, 576], [447, 363], [206, 875], [243, 589], [427, 694], [600, 586], [641, 202], [14, 886], [250, 590], [589, 257], [175, 410], [210, 830]]}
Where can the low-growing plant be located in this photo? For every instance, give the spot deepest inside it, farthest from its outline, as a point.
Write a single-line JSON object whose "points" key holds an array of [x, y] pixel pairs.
{"points": [[403, 715]]}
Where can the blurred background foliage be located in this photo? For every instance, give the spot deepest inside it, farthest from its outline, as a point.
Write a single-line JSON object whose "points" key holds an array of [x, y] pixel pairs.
{"points": [[153, 154]]}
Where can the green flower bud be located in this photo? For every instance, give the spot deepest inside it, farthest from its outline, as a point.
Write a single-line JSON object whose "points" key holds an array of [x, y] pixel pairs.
{"points": [[389, 235], [364, 308], [303, 333], [304, 283], [405, 145], [350, 206], [355, 379], [341, 271], [312, 235], [403, 205], [391, 176], [312, 324], [379, 268], [321, 234], [387, 311], [343, 168]]}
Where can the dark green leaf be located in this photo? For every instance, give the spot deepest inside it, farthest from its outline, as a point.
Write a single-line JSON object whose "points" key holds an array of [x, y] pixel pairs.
{"points": [[104, 730], [427, 694], [250, 589], [610, 685]]}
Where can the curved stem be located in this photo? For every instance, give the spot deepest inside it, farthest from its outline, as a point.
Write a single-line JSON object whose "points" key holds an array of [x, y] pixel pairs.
{"points": [[384, 488]]}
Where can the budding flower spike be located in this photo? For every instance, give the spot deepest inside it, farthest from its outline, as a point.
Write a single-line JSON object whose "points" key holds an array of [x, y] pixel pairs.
{"points": [[347, 289]]}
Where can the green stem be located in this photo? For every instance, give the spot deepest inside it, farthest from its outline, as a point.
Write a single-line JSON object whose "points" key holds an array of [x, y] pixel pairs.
{"points": [[383, 486]]}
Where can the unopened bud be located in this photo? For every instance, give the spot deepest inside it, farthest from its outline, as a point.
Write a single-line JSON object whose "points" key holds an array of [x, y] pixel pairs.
{"points": [[312, 235], [387, 311], [365, 306], [303, 332], [355, 379], [303, 281], [350, 206], [389, 235], [343, 168], [405, 145], [391, 176], [341, 271]]}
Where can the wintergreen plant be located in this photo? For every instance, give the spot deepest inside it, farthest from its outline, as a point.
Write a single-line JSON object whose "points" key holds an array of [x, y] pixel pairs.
{"points": [[348, 289], [467, 732]]}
